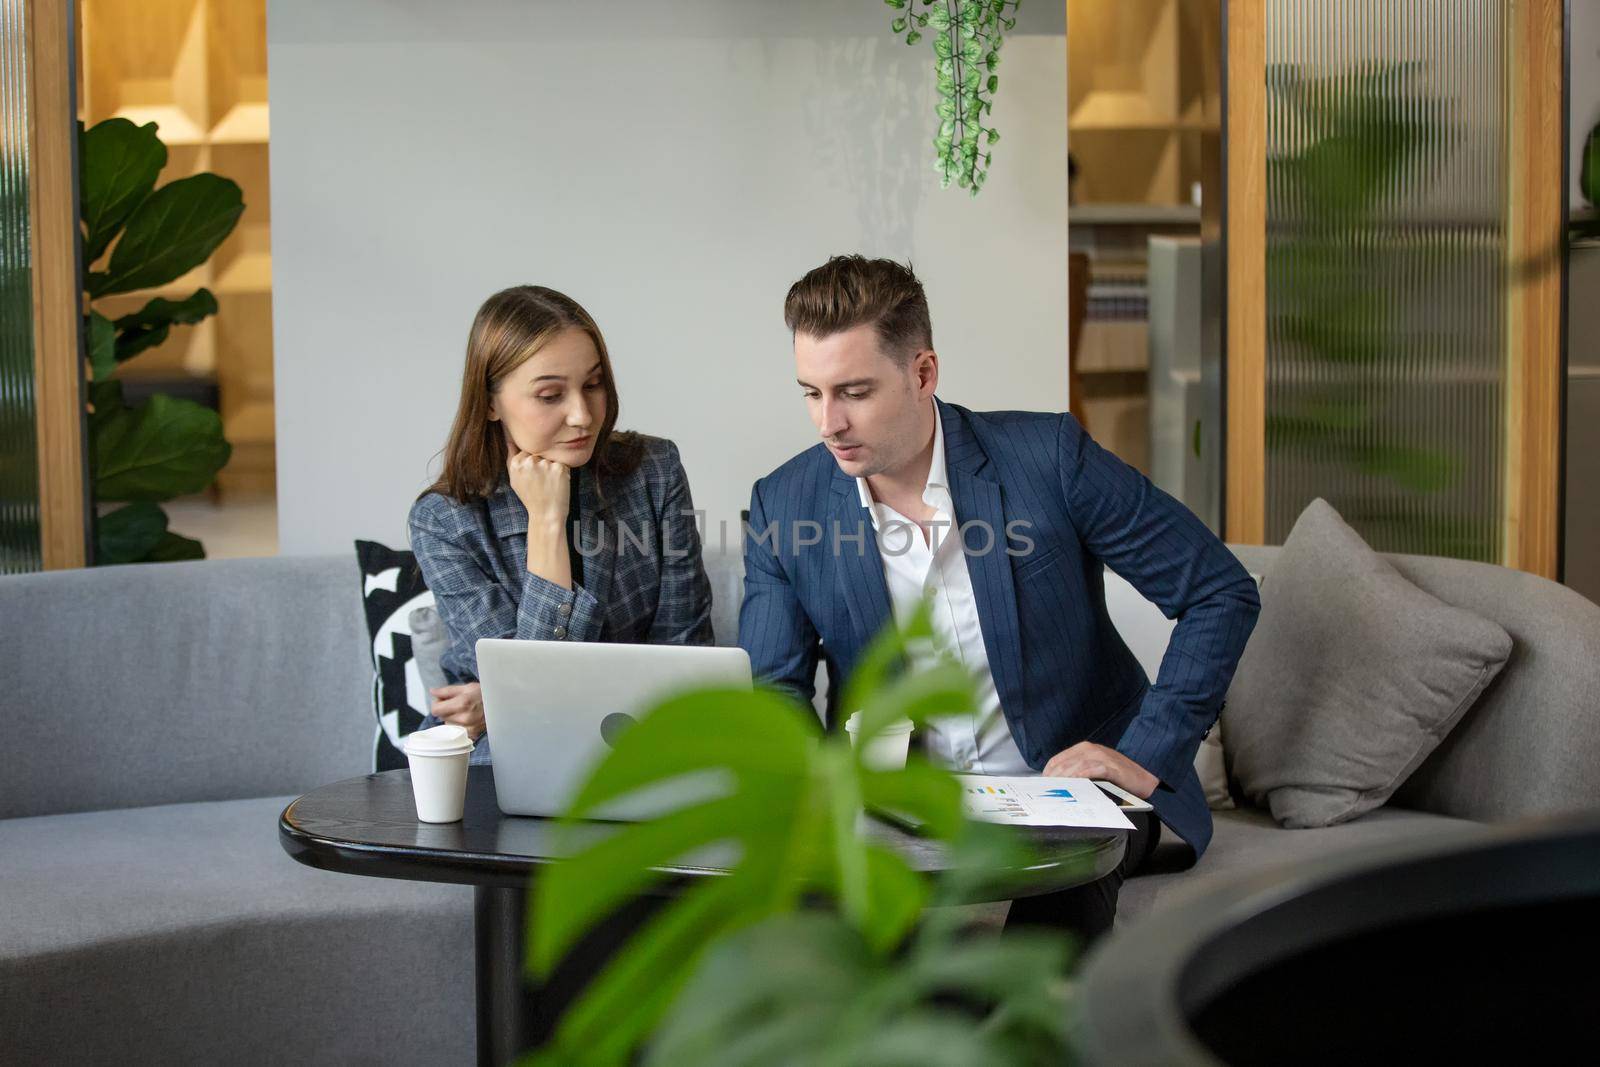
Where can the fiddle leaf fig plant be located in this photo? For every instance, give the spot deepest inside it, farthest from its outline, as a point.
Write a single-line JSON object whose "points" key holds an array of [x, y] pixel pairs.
{"points": [[713, 976], [965, 36], [144, 237]]}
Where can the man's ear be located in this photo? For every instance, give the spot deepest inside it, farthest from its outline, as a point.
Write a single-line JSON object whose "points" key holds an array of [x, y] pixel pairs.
{"points": [[926, 366]]}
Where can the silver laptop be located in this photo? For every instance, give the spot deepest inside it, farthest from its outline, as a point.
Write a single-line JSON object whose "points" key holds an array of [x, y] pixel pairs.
{"points": [[553, 708]]}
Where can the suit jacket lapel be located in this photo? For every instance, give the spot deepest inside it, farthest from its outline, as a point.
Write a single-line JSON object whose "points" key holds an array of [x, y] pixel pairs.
{"points": [[860, 566], [979, 500]]}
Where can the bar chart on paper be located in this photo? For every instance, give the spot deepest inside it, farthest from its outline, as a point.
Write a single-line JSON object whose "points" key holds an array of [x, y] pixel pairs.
{"points": [[1040, 802]]}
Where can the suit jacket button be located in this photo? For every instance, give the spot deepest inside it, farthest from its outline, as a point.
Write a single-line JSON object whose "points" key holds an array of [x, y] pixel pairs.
{"points": [[561, 631], [565, 609]]}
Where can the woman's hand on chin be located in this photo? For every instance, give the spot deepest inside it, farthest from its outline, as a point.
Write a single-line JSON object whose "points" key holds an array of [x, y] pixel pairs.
{"points": [[543, 485], [545, 488]]}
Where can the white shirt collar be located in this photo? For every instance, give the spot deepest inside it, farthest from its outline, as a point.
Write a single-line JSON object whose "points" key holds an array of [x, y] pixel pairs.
{"points": [[937, 490]]}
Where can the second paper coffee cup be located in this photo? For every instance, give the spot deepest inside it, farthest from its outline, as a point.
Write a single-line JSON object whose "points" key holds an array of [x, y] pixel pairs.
{"points": [[887, 750]]}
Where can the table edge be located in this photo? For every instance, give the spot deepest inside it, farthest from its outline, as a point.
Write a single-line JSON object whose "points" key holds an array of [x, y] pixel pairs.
{"points": [[498, 870]]}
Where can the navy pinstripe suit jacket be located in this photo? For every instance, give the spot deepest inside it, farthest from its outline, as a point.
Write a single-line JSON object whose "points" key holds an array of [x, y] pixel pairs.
{"points": [[1063, 673]]}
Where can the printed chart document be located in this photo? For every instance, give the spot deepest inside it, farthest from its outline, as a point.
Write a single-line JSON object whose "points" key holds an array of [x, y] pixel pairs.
{"points": [[1040, 801]]}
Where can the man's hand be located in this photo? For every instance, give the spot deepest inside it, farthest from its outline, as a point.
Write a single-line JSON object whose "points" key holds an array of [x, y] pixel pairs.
{"points": [[460, 705], [1089, 760]]}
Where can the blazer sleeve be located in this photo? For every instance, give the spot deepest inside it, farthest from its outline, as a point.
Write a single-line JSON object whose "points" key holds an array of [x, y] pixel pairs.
{"points": [[474, 604], [1169, 555], [773, 626], [683, 615]]}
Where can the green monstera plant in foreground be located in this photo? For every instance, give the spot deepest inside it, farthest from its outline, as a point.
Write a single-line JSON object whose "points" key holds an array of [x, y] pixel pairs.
{"points": [[166, 447], [810, 950]]}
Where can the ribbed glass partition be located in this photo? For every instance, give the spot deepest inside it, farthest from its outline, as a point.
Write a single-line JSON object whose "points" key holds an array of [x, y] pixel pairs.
{"points": [[19, 470], [1386, 270]]}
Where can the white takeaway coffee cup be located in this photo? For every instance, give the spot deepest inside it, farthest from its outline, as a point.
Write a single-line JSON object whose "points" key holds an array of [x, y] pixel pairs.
{"points": [[438, 758], [887, 750]]}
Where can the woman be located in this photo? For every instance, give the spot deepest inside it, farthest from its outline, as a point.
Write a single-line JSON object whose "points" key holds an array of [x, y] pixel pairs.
{"points": [[545, 524]]}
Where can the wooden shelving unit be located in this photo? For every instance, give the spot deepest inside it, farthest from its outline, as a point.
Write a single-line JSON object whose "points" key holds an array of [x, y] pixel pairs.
{"points": [[1143, 94], [198, 69]]}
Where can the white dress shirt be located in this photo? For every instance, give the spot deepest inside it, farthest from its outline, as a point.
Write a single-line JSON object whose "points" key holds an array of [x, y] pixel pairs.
{"points": [[979, 743]]}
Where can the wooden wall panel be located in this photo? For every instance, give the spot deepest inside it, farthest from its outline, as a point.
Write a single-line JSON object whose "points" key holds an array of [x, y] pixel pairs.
{"points": [[1244, 514], [57, 316], [1534, 379]]}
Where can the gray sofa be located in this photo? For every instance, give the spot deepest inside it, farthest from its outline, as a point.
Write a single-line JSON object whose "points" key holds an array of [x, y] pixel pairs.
{"points": [[1529, 746], [162, 717], [159, 718]]}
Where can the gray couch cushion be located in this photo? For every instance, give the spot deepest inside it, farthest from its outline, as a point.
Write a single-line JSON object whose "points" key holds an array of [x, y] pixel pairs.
{"points": [[1248, 839], [185, 934], [1351, 679], [1530, 743], [155, 684], [725, 569]]}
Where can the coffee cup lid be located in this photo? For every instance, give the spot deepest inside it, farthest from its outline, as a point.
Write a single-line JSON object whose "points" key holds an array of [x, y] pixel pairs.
{"points": [[444, 740], [853, 724]]}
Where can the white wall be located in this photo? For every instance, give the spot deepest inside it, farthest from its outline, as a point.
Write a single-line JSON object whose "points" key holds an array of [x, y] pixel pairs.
{"points": [[672, 165]]}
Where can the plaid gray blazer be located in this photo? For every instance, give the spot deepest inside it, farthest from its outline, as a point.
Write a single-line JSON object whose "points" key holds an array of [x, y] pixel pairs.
{"points": [[643, 578]]}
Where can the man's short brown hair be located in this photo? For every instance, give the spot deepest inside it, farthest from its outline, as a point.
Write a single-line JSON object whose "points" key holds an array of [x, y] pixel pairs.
{"points": [[851, 291]]}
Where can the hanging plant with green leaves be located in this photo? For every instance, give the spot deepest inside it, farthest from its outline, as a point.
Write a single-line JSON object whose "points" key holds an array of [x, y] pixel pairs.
{"points": [[166, 447], [966, 36]]}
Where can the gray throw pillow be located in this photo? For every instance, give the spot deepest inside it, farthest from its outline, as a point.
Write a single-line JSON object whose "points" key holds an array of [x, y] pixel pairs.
{"points": [[1352, 677]]}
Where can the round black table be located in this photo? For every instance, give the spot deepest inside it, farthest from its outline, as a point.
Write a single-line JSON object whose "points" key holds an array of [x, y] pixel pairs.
{"points": [[369, 826]]}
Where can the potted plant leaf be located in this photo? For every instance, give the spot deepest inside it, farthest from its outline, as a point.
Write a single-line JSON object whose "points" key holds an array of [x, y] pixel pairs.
{"points": [[136, 237], [816, 946]]}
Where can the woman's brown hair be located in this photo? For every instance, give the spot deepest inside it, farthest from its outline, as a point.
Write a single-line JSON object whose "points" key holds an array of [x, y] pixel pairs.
{"points": [[510, 327]]}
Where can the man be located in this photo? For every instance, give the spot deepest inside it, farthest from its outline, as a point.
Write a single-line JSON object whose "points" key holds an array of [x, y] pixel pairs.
{"points": [[1006, 521]]}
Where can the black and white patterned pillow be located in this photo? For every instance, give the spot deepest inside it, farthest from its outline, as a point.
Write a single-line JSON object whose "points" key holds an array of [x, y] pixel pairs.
{"points": [[391, 589]]}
